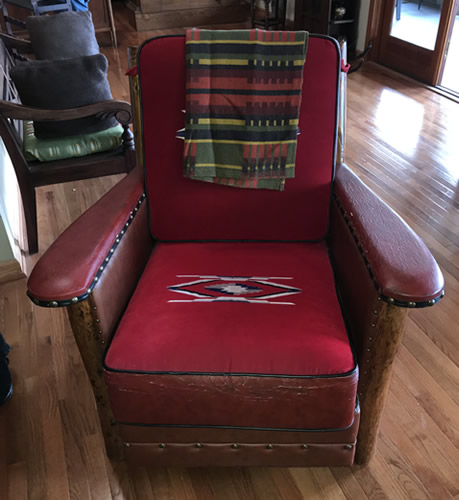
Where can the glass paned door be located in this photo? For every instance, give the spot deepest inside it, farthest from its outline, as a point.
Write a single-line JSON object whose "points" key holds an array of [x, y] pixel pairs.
{"points": [[417, 21], [413, 36]]}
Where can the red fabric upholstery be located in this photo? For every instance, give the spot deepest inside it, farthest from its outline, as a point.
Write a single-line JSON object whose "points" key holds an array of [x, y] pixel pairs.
{"points": [[164, 349], [307, 338], [183, 209]]}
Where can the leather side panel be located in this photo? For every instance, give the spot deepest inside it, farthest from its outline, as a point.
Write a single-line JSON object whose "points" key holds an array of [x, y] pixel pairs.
{"points": [[242, 401], [121, 274], [359, 296]]}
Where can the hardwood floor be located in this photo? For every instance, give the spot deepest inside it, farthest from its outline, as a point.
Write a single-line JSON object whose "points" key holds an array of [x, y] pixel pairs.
{"points": [[402, 140]]}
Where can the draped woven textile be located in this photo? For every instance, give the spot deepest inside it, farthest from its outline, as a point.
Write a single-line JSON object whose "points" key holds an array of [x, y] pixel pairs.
{"points": [[243, 95]]}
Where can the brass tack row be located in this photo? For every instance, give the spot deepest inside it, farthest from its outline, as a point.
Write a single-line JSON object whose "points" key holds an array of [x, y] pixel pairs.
{"points": [[74, 300], [102, 341], [234, 446], [370, 339], [389, 300]]}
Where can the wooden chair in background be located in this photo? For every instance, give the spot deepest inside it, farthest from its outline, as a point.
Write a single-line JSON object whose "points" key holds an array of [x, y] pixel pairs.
{"points": [[32, 174]]}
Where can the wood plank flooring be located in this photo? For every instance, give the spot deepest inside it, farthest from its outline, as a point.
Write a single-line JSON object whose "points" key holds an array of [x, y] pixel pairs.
{"points": [[403, 140]]}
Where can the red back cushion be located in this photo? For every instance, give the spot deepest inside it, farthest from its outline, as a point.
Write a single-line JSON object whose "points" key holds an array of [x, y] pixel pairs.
{"points": [[183, 209]]}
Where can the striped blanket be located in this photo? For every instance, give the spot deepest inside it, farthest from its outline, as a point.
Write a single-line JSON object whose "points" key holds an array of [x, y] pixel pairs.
{"points": [[243, 94]]}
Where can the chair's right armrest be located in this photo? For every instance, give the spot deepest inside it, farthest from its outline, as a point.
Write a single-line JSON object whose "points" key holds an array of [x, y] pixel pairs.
{"points": [[382, 268], [100, 256]]}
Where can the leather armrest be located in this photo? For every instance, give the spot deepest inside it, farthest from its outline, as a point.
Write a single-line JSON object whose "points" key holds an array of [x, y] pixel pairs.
{"points": [[73, 265], [401, 266]]}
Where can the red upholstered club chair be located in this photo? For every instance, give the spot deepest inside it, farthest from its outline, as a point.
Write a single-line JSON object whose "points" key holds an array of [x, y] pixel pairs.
{"points": [[225, 326]]}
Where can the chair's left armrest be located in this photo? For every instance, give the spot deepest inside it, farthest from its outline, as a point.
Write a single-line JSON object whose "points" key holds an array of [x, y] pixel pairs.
{"points": [[93, 268], [401, 266], [109, 236]]}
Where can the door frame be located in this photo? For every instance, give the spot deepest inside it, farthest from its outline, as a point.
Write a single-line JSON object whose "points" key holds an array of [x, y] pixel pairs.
{"points": [[419, 63], [448, 38]]}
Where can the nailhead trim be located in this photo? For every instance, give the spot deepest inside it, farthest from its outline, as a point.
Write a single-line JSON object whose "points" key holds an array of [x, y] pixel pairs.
{"points": [[80, 298], [363, 380], [236, 446], [389, 300]]}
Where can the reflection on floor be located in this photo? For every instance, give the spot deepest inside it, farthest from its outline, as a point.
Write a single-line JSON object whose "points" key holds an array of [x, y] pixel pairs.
{"points": [[417, 26], [450, 79]]}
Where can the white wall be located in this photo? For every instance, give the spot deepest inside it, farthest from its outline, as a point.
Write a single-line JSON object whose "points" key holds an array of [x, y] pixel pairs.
{"points": [[11, 206], [363, 22], [5, 248]]}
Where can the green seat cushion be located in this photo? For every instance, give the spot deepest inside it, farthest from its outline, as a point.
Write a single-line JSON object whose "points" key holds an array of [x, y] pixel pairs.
{"points": [[69, 147]]}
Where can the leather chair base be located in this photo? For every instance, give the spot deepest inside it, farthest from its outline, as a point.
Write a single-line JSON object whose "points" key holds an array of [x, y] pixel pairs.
{"points": [[242, 455], [229, 447]]}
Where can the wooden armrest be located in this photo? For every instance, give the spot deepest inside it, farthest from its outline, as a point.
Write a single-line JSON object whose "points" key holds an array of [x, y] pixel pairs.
{"points": [[74, 264], [401, 266], [121, 110], [15, 42]]}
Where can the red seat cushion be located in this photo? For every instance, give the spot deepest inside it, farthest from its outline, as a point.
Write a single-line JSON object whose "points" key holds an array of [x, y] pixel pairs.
{"points": [[254, 325], [183, 209]]}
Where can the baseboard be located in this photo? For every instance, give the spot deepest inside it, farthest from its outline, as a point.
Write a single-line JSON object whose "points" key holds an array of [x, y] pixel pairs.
{"points": [[10, 270]]}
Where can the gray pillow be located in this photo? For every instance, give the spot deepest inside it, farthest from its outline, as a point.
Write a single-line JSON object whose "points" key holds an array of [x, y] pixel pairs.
{"points": [[64, 84], [65, 35]]}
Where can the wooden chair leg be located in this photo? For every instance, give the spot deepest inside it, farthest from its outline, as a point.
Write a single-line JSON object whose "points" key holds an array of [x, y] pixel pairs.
{"points": [[83, 319], [129, 148], [386, 337], [29, 203]]}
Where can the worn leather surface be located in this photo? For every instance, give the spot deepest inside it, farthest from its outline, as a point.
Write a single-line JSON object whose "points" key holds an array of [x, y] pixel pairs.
{"points": [[150, 434], [359, 296], [122, 273], [242, 401], [67, 268], [402, 265], [247, 454]]}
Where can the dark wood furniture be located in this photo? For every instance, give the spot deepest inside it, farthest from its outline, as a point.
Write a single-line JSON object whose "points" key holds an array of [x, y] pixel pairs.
{"points": [[336, 18], [273, 14], [160, 14], [102, 16], [101, 10], [32, 174], [37, 7]]}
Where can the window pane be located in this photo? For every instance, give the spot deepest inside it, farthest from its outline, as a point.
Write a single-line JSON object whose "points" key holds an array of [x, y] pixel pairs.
{"points": [[417, 21]]}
